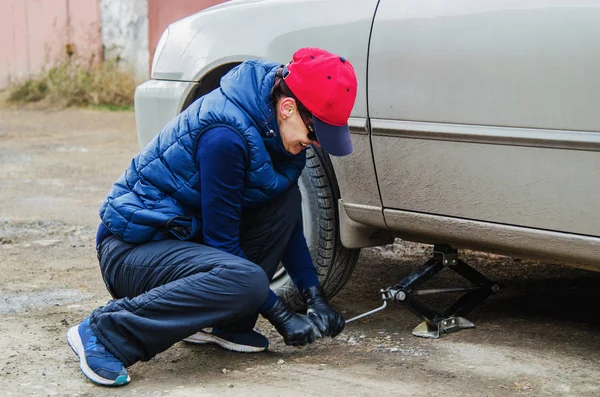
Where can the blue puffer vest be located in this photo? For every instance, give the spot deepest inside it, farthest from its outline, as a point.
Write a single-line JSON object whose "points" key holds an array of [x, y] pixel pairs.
{"points": [[160, 194]]}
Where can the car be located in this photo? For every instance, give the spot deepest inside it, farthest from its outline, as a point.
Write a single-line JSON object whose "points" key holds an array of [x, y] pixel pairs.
{"points": [[476, 123]]}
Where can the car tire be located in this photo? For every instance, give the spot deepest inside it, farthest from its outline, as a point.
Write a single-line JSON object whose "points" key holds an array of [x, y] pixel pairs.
{"points": [[334, 263]]}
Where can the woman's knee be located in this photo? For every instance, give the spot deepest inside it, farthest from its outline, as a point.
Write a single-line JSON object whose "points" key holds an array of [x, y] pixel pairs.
{"points": [[254, 286]]}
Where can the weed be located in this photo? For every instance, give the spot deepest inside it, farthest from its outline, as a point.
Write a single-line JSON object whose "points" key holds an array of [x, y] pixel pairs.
{"points": [[70, 82]]}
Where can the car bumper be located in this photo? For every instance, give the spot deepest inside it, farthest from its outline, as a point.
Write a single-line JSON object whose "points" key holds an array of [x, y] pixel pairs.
{"points": [[156, 103]]}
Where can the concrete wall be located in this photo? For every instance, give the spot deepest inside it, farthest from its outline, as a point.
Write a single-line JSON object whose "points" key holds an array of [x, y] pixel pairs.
{"points": [[131, 28], [34, 33], [125, 33]]}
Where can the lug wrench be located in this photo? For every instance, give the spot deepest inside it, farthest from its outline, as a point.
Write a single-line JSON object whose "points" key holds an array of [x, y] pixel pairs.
{"points": [[386, 295]]}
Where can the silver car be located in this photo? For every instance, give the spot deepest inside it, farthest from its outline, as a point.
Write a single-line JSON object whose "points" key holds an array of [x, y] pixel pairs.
{"points": [[476, 125]]}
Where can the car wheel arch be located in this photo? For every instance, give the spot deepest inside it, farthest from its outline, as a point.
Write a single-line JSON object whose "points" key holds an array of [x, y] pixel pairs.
{"points": [[209, 82]]}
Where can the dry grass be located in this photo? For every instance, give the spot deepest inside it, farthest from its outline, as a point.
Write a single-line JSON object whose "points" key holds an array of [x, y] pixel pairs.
{"points": [[73, 83]]}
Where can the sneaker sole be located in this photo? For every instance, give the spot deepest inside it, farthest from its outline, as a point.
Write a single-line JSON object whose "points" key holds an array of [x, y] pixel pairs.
{"points": [[74, 341], [203, 339]]}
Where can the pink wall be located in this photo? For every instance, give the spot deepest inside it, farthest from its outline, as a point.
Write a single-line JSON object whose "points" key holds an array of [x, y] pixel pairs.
{"points": [[160, 16], [33, 33]]}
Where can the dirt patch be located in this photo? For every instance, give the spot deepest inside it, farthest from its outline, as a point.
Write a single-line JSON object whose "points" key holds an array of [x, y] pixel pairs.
{"points": [[538, 337]]}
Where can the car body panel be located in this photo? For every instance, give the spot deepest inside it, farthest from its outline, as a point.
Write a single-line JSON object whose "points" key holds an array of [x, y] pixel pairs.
{"points": [[156, 103], [570, 249], [358, 167], [486, 110], [512, 63], [538, 187]]}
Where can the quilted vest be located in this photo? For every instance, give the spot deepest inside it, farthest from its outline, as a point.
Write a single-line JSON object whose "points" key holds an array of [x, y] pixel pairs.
{"points": [[159, 194]]}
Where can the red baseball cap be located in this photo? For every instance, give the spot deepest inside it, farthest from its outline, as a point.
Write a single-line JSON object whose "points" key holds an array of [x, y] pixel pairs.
{"points": [[326, 85]]}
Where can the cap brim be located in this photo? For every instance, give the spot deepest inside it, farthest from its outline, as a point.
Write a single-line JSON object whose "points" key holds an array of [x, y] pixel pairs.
{"points": [[334, 139]]}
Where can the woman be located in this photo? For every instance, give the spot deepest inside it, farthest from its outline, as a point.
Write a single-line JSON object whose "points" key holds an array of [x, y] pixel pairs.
{"points": [[195, 228]]}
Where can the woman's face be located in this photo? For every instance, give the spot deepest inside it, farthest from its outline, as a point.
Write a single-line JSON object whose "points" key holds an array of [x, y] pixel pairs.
{"points": [[292, 129]]}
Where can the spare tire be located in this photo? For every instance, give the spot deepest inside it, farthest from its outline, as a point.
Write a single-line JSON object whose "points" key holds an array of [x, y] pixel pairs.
{"points": [[334, 263]]}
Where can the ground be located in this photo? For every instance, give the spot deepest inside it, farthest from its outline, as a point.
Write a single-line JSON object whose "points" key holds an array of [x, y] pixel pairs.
{"points": [[537, 337]]}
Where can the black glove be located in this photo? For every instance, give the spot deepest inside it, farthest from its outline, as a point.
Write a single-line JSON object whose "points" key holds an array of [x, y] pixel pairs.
{"points": [[296, 329], [329, 321]]}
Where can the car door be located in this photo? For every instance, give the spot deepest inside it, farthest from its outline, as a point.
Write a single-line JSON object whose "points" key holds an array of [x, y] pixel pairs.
{"points": [[486, 110]]}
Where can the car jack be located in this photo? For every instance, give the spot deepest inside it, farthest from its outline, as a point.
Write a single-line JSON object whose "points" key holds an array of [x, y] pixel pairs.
{"points": [[436, 323]]}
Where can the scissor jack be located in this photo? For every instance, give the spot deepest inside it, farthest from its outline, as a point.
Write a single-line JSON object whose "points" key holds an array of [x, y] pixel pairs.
{"points": [[436, 323]]}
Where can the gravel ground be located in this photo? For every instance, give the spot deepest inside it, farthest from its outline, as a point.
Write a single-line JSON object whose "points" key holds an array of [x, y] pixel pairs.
{"points": [[537, 337]]}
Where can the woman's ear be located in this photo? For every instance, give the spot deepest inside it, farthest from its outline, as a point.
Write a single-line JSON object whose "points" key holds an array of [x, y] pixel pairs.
{"points": [[287, 107]]}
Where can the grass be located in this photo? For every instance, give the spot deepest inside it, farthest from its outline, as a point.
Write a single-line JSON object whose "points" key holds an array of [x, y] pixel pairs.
{"points": [[113, 108], [69, 82]]}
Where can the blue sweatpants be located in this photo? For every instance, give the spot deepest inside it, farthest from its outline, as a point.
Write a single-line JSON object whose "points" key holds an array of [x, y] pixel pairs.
{"points": [[167, 290]]}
